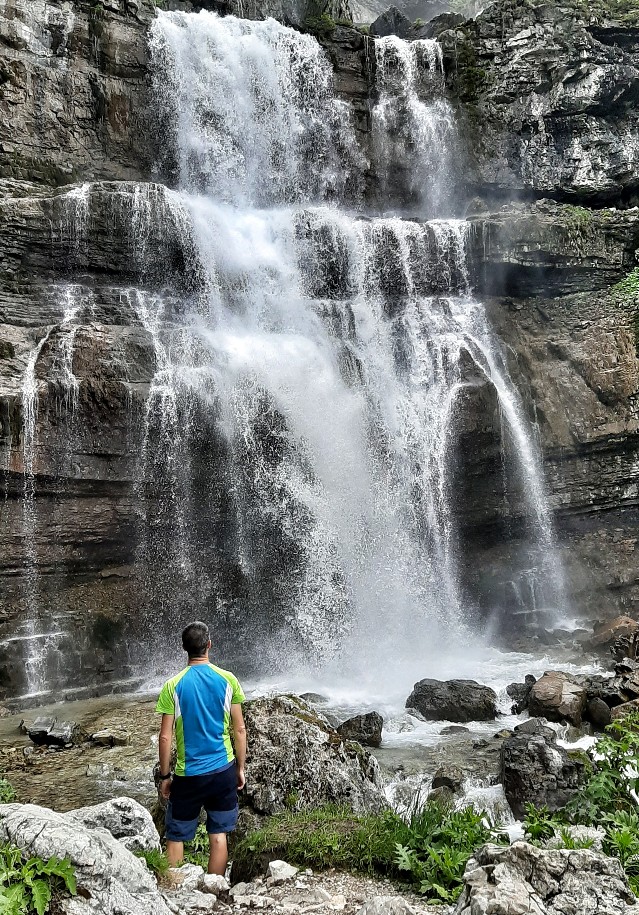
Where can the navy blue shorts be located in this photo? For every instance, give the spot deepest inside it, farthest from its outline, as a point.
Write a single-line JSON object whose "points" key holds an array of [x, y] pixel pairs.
{"points": [[216, 792]]}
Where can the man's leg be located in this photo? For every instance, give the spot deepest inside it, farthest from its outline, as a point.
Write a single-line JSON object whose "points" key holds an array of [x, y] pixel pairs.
{"points": [[174, 852], [218, 853]]}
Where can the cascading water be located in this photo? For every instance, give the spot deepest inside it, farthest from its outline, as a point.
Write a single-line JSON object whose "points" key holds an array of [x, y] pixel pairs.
{"points": [[414, 128], [328, 351], [310, 370]]}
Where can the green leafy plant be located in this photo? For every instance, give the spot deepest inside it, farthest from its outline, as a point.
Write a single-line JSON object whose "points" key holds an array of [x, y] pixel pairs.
{"points": [[7, 792], [29, 884], [540, 824], [606, 799], [197, 851], [155, 859]]}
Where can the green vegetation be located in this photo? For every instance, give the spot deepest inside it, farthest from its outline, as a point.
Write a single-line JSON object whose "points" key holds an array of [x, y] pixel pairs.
{"points": [[28, 885], [605, 800], [418, 23], [7, 792], [628, 287], [471, 79], [579, 217], [430, 851], [625, 12], [156, 861], [320, 25], [197, 851]]}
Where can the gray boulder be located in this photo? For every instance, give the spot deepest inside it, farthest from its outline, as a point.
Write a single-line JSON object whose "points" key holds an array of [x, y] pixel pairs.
{"points": [[294, 753], [598, 712], [453, 700], [558, 697], [125, 819], [111, 880], [521, 878], [392, 22], [534, 769], [365, 729]]}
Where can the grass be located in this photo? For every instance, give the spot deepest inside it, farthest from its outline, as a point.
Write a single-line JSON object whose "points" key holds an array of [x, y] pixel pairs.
{"points": [[429, 851], [156, 860]]}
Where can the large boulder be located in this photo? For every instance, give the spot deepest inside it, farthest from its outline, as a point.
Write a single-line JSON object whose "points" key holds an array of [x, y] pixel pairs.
{"points": [[534, 769], [453, 700], [125, 819], [296, 757], [521, 878], [392, 22], [111, 880], [365, 729], [558, 697]]}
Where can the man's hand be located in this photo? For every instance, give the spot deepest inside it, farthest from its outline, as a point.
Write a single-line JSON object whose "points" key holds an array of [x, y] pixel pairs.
{"points": [[165, 788], [241, 779]]}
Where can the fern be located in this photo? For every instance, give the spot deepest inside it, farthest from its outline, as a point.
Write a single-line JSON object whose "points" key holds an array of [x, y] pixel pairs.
{"points": [[29, 884]]}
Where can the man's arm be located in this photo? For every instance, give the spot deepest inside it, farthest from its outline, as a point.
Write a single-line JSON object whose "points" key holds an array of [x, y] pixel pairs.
{"points": [[164, 746], [239, 742]]}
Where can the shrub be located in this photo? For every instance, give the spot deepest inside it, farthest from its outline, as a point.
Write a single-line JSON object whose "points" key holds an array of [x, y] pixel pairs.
{"points": [[29, 884]]}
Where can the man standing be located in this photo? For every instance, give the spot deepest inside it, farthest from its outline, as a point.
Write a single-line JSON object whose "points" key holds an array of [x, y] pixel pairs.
{"points": [[204, 703]]}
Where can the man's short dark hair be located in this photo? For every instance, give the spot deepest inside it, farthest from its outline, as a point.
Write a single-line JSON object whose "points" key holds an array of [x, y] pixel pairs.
{"points": [[195, 639]]}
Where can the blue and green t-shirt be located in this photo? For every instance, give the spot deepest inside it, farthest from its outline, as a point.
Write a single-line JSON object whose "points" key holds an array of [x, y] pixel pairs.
{"points": [[200, 699]]}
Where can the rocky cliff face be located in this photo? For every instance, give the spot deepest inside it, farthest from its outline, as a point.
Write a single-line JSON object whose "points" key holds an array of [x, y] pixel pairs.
{"points": [[87, 242]]}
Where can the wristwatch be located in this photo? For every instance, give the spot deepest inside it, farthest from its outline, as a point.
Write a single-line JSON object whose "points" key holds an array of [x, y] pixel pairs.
{"points": [[163, 778]]}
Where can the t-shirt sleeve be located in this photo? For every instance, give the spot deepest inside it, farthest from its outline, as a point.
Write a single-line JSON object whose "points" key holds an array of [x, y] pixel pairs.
{"points": [[166, 701], [238, 694]]}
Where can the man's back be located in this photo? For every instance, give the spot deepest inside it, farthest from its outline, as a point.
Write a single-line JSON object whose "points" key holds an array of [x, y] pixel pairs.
{"points": [[200, 699]]}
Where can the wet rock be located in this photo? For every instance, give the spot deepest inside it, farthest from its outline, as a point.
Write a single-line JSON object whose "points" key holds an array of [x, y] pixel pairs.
{"points": [[607, 633], [365, 729], [392, 22], [38, 731], [111, 737], [522, 878], [293, 751], [443, 795], [125, 819], [534, 769], [598, 712], [537, 727], [448, 777], [454, 729], [453, 700], [314, 698], [520, 693], [61, 734], [559, 137], [51, 732], [111, 880], [557, 697]]}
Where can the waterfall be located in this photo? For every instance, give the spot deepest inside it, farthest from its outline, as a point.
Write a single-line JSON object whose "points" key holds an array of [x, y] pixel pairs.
{"points": [[298, 475], [414, 128], [329, 352]]}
